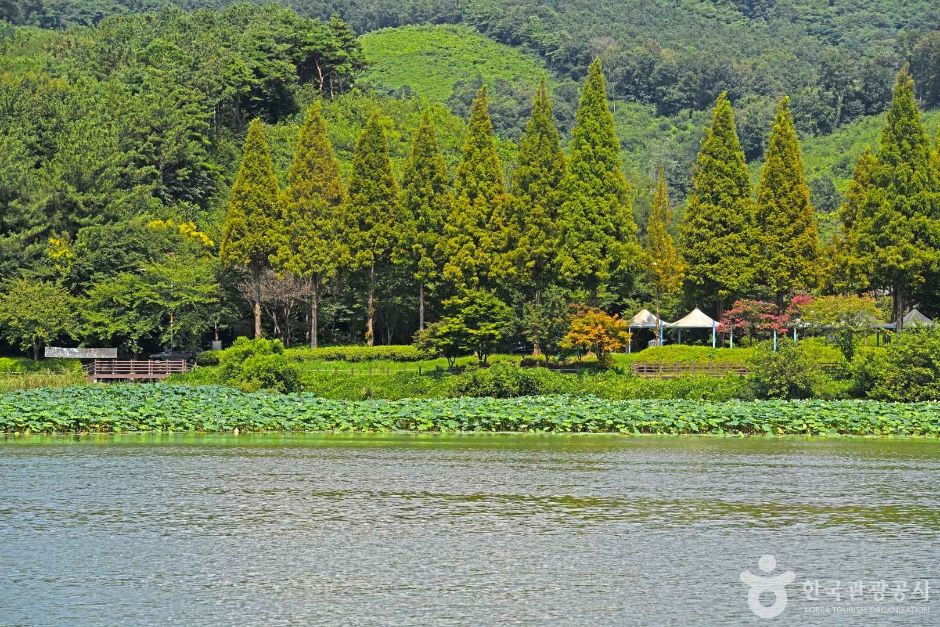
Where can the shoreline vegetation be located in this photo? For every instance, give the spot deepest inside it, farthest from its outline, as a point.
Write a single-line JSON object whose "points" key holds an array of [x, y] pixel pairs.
{"points": [[214, 409]]}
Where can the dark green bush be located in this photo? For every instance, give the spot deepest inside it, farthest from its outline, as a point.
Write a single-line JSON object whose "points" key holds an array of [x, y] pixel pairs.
{"points": [[405, 352], [269, 372], [908, 369], [232, 358], [506, 380], [691, 387], [785, 373], [208, 358]]}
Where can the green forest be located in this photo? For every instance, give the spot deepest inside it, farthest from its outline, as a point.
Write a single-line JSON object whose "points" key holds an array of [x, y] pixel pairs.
{"points": [[329, 173]]}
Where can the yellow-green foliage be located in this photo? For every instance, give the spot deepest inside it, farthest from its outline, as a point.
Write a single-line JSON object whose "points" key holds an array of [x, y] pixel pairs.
{"points": [[431, 59], [835, 155]]}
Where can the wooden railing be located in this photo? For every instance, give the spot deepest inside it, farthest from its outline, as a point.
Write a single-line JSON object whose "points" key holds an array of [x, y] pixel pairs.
{"points": [[131, 369], [678, 369]]}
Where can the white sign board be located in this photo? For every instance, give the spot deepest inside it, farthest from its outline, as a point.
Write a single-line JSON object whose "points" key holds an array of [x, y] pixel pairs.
{"points": [[81, 353]]}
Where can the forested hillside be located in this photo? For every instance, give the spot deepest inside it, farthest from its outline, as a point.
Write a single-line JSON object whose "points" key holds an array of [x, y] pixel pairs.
{"points": [[123, 125], [836, 59]]}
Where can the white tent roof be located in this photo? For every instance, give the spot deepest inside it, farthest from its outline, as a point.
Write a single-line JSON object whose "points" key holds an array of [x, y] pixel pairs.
{"points": [[914, 317], [696, 319], [645, 320]]}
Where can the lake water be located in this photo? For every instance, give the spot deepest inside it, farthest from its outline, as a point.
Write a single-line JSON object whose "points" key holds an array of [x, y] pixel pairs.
{"points": [[462, 530]]}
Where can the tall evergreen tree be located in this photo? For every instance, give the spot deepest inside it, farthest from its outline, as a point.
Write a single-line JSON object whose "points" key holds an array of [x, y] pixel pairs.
{"points": [[598, 232], [252, 219], [899, 222], [373, 211], [537, 188], [848, 266], [787, 236], [662, 263], [479, 173], [476, 233], [425, 203], [312, 245], [717, 229]]}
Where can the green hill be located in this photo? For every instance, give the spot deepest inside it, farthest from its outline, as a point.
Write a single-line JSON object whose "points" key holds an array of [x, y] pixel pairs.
{"points": [[430, 60], [834, 155]]}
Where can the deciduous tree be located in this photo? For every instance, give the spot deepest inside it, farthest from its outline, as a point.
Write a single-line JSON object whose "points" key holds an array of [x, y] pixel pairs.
{"points": [[34, 313], [661, 263]]}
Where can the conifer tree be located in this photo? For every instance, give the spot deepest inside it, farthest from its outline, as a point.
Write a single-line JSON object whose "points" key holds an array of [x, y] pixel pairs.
{"points": [[848, 266], [476, 233], [662, 263], [312, 245], [538, 196], [479, 173], [252, 218], [374, 215], [425, 203], [716, 232], [598, 231], [936, 155], [787, 237], [899, 221]]}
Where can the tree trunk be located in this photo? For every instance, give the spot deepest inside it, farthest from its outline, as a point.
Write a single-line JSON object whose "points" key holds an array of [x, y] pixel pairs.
{"points": [[659, 324], [370, 308], [421, 307], [256, 287], [721, 314], [536, 349], [899, 308], [594, 299], [36, 351], [314, 312]]}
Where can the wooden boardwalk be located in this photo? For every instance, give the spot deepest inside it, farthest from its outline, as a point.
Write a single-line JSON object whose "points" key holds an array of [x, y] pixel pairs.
{"points": [[133, 370], [704, 368]]}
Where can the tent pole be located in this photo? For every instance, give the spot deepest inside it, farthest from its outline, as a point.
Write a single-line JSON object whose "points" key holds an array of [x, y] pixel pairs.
{"points": [[713, 335], [731, 338]]}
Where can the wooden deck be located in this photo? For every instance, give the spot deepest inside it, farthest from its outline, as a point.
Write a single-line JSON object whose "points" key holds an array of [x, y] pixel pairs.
{"points": [[678, 369], [133, 370]]}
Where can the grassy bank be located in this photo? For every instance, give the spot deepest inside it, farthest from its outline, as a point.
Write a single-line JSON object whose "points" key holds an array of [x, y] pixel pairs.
{"points": [[20, 373], [123, 408]]}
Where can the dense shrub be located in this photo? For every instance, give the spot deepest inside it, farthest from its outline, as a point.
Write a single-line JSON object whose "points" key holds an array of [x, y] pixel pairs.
{"points": [[693, 387], [9, 364], [404, 352], [208, 358], [257, 364], [269, 372], [232, 358], [908, 369], [785, 373], [506, 380]]}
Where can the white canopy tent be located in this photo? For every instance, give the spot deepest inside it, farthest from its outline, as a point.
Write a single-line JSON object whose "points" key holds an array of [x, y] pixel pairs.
{"points": [[916, 319], [696, 319], [647, 320]]}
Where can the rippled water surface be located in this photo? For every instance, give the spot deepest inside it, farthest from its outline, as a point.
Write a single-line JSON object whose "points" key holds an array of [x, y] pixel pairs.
{"points": [[462, 530]]}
